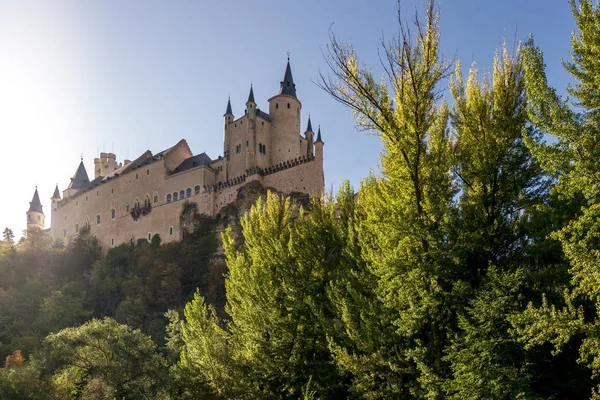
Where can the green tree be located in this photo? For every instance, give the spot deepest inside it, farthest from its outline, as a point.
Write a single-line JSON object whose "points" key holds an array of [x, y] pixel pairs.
{"points": [[274, 343], [573, 160], [103, 356]]}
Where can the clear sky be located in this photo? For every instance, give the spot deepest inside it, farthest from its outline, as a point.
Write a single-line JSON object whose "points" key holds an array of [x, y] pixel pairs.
{"points": [[80, 77]]}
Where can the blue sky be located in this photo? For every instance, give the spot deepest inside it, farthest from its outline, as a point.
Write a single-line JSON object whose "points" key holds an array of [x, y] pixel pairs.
{"points": [[80, 77]]}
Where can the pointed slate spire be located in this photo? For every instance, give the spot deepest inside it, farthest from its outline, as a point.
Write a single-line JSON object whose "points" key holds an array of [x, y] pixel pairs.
{"points": [[35, 205], [287, 85], [309, 126], [251, 96], [80, 179], [319, 135], [228, 111], [56, 194]]}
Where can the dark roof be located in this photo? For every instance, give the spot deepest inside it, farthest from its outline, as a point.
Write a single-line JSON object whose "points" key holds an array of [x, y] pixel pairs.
{"points": [[228, 111], [56, 194], [193, 162], [251, 95], [35, 205], [80, 180], [287, 85], [264, 115], [309, 126], [319, 135]]}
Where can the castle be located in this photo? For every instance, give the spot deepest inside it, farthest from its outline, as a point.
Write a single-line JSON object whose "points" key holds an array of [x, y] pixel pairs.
{"points": [[137, 199]]}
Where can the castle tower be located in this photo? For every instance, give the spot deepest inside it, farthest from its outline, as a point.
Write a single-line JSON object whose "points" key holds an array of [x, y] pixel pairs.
{"points": [[79, 181], [319, 156], [55, 199], [105, 165], [35, 215], [309, 135], [228, 119], [251, 149], [284, 109]]}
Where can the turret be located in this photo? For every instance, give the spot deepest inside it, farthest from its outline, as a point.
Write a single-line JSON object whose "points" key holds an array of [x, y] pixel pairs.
{"points": [[251, 105], [284, 110], [309, 135], [228, 117], [105, 165], [35, 215], [319, 146], [79, 181]]}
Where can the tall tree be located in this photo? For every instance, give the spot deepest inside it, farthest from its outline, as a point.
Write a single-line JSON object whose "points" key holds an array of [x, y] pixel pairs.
{"points": [[574, 160], [404, 232]]}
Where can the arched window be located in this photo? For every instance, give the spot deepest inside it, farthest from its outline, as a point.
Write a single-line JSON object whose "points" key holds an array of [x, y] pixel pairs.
{"points": [[112, 241], [155, 197], [188, 192], [168, 198], [170, 230], [97, 219], [288, 105], [175, 196], [182, 194], [197, 189], [113, 214], [149, 236]]}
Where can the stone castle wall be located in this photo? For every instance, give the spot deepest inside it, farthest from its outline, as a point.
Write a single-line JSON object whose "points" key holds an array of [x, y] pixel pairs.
{"points": [[303, 174]]}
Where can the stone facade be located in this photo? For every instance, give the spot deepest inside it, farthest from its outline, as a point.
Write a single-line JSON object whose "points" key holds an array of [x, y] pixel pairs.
{"points": [[140, 198]]}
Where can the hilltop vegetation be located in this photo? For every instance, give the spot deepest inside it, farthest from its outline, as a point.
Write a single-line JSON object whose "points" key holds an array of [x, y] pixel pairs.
{"points": [[468, 268]]}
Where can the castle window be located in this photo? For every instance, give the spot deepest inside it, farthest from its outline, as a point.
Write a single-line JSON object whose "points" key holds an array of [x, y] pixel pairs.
{"points": [[182, 194], [149, 236], [276, 105], [76, 228], [170, 230], [175, 196], [156, 197], [29, 218], [64, 233], [147, 172], [112, 191], [127, 208], [168, 198], [39, 218], [288, 105], [188, 192], [197, 189], [97, 193], [113, 214], [136, 176], [262, 123], [97, 219], [247, 143], [112, 241]]}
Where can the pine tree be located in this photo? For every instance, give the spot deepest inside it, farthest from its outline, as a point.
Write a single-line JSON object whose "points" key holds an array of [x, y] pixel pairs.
{"points": [[573, 160]]}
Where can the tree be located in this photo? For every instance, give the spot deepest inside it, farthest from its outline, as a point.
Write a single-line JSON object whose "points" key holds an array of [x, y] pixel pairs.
{"points": [[274, 342], [103, 355], [573, 160], [403, 236]]}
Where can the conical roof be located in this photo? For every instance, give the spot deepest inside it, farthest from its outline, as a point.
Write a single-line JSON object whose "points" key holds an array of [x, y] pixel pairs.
{"points": [[228, 111], [35, 205], [80, 179], [287, 85], [251, 95], [319, 135], [56, 194], [309, 126]]}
